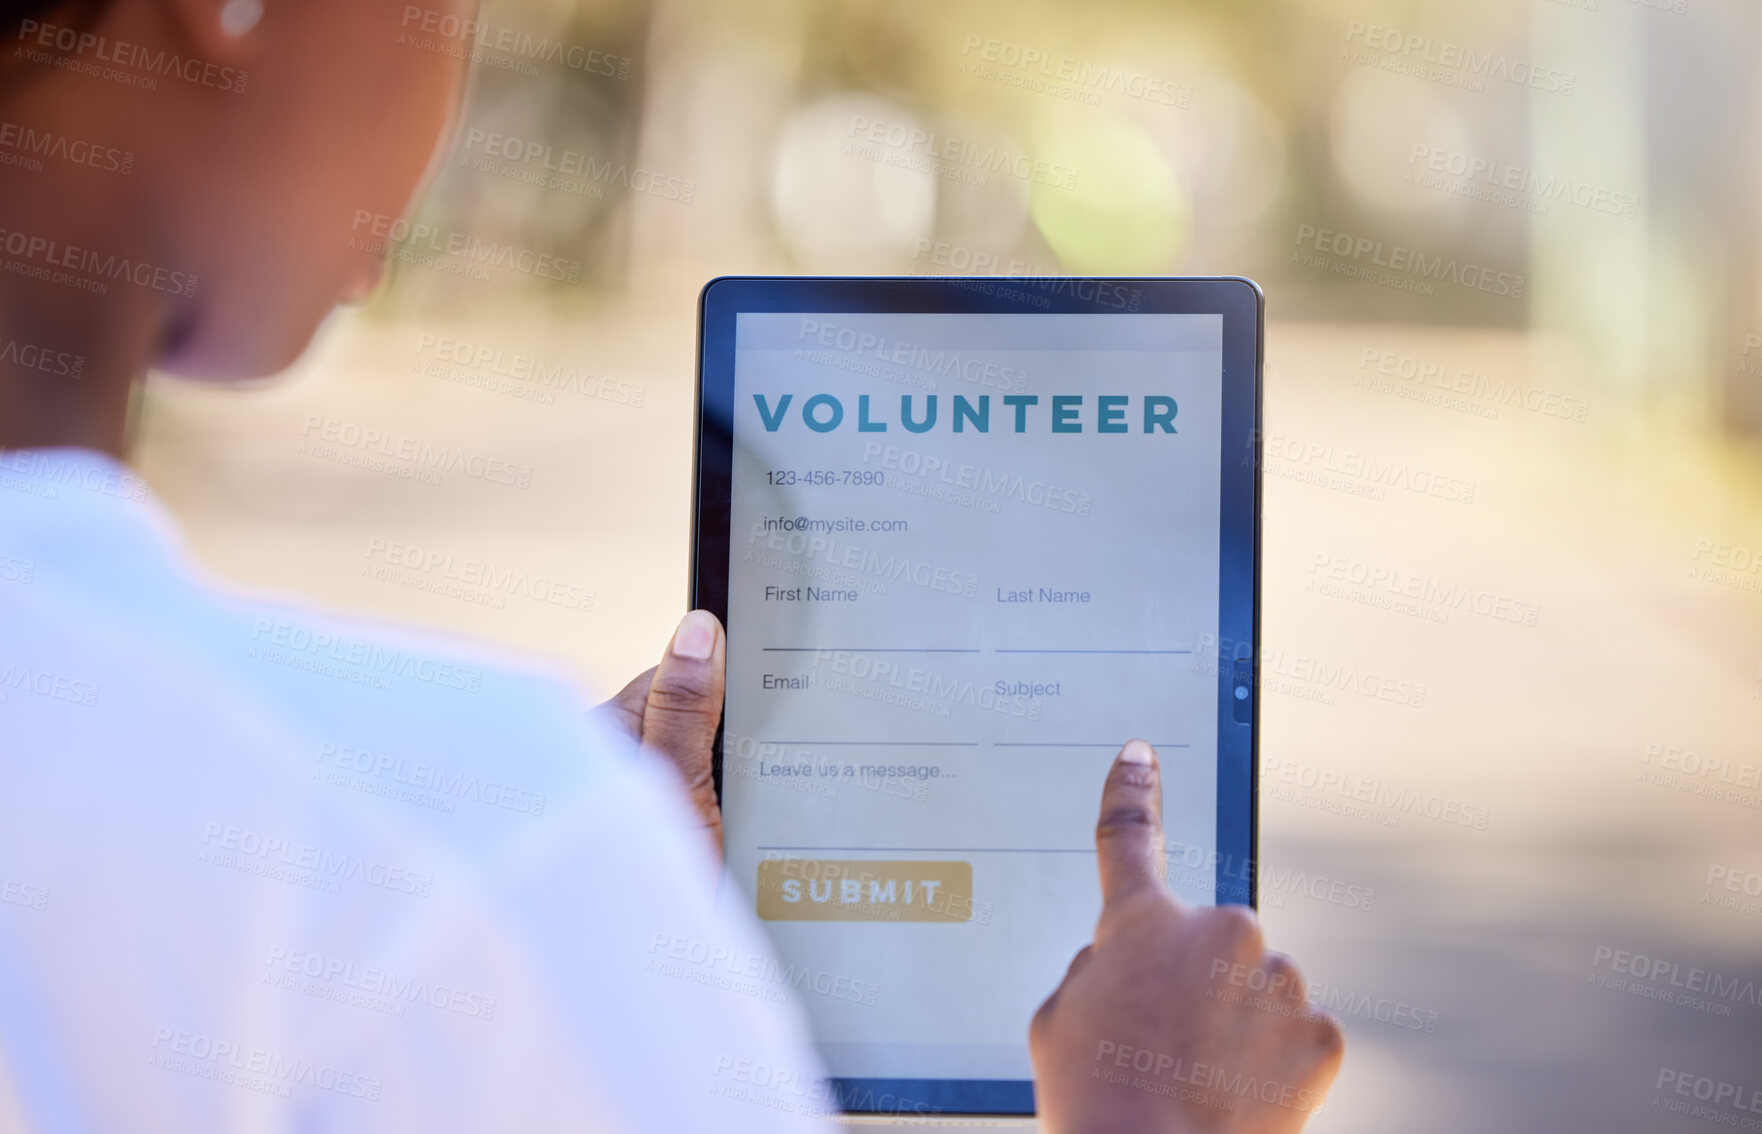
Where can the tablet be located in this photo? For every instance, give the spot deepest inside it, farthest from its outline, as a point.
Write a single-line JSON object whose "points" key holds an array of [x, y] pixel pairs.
{"points": [[969, 536]]}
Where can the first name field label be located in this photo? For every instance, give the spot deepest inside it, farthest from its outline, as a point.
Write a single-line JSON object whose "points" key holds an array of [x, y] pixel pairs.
{"points": [[809, 594]]}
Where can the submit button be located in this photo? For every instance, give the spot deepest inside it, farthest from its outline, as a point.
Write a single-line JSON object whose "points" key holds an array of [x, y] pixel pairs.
{"points": [[808, 889]]}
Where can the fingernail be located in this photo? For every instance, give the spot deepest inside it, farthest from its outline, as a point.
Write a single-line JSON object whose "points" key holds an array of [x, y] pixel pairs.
{"points": [[696, 636], [1137, 752]]}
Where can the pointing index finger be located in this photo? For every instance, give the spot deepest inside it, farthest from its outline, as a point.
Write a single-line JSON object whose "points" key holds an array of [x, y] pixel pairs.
{"points": [[1128, 837]]}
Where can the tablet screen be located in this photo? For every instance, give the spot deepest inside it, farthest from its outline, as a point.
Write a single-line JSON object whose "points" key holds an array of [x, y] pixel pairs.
{"points": [[969, 555]]}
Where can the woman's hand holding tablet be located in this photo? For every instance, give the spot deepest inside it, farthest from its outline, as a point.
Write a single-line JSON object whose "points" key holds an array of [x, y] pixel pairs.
{"points": [[674, 710], [1175, 1018]]}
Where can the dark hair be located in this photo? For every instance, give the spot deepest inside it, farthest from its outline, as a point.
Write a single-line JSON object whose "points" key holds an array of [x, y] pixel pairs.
{"points": [[15, 12], [70, 13], [18, 11]]}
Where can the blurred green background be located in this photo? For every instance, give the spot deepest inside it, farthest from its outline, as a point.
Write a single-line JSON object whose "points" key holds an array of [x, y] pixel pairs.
{"points": [[1511, 245]]}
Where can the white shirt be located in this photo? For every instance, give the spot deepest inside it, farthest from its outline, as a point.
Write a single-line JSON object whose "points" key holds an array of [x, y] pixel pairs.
{"points": [[267, 870]]}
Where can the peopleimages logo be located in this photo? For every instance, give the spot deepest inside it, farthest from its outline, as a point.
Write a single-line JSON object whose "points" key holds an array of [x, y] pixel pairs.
{"points": [[96, 266], [824, 413]]}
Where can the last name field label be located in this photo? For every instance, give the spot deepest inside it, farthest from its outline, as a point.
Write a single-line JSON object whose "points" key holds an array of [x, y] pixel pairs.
{"points": [[1041, 595]]}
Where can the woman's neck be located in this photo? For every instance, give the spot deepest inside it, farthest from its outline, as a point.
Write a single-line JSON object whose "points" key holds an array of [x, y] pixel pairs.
{"points": [[62, 387], [74, 334]]}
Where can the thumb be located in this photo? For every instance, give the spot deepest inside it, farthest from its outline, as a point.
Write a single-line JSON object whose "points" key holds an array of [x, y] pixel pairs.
{"points": [[1128, 837], [684, 705]]}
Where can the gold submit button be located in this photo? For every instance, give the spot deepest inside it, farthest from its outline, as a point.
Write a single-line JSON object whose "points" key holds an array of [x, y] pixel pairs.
{"points": [[807, 889]]}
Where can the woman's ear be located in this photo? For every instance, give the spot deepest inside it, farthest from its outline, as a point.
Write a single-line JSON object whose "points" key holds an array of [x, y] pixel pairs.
{"points": [[222, 31]]}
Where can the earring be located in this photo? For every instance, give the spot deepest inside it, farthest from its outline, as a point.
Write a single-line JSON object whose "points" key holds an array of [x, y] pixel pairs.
{"points": [[238, 17]]}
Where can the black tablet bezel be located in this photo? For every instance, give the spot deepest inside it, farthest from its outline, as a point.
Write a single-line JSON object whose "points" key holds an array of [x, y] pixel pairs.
{"points": [[1242, 306]]}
